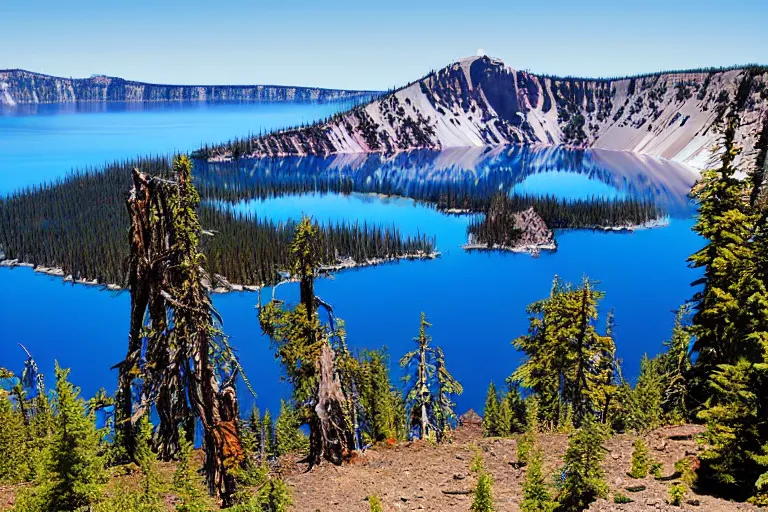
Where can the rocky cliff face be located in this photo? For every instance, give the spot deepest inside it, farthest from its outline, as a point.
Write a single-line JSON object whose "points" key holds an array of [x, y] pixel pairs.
{"points": [[479, 101], [24, 87]]}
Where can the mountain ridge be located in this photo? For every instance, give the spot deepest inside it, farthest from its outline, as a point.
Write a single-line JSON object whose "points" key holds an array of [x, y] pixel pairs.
{"points": [[479, 101], [21, 87]]}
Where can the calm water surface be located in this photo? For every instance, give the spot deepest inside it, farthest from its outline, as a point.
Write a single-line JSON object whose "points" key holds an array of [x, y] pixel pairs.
{"points": [[476, 301]]}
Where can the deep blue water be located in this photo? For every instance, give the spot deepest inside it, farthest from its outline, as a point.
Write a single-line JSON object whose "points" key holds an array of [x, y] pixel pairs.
{"points": [[476, 301]]}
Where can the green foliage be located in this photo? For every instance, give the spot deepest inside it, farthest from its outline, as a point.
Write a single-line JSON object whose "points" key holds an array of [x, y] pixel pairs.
{"points": [[567, 361], [676, 494], [146, 459], [640, 460], [14, 461], [378, 398], [621, 499], [186, 482], [686, 469], [483, 498], [584, 476], [375, 504], [429, 387], [73, 469], [275, 496], [656, 469], [536, 494], [288, 436], [491, 412], [267, 433]]}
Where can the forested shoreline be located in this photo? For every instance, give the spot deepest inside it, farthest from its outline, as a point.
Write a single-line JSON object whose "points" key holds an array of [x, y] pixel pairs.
{"points": [[80, 225]]}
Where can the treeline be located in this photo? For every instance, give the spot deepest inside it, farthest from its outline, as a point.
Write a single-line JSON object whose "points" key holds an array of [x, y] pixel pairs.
{"points": [[498, 225], [80, 224], [267, 243]]}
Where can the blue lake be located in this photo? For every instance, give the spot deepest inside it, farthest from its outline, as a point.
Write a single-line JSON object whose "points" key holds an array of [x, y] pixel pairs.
{"points": [[476, 301]]}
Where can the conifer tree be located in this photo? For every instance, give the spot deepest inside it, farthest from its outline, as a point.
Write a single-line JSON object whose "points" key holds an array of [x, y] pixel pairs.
{"points": [[491, 412], [147, 461], [419, 395], [447, 386], [73, 470], [640, 460], [536, 494], [584, 477], [267, 433], [288, 436], [568, 363], [186, 482], [309, 352], [14, 462], [483, 497], [177, 350], [677, 369], [377, 397], [429, 388]]}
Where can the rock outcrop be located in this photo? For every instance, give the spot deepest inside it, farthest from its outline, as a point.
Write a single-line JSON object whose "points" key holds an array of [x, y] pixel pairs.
{"points": [[19, 87], [480, 101]]}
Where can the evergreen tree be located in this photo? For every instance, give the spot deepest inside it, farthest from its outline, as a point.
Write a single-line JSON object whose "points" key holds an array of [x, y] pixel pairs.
{"points": [[418, 396], [568, 363], [483, 497], [186, 482], [536, 495], [313, 355], [73, 470], [429, 388], [646, 399], [640, 460], [147, 461], [267, 433], [584, 476], [491, 412], [375, 503], [447, 386], [677, 368], [288, 436], [14, 454], [377, 397]]}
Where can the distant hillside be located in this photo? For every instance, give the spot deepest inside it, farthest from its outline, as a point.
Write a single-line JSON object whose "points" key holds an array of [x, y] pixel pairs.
{"points": [[479, 101], [25, 87]]}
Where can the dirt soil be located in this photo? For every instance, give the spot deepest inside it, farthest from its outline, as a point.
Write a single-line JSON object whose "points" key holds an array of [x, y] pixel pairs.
{"points": [[421, 476]]}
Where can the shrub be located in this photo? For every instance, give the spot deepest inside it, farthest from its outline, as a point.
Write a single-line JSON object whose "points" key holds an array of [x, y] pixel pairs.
{"points": [[676, 494], [375, 503], [656, 469], [640, 460], [620, 498], [483, 501]]}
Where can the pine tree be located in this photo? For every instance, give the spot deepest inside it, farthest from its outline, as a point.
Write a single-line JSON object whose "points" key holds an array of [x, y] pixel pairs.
{"points": [[419, 396], [640, 460], [375, 503], [147, 461], [536, 495], [584, 476], [275, 496], [568, 363], [268, 434], [646, 399], [186, 482], [376, 397], [73, 470], [447, 386], [14, 462], [483, 497], [288, 436], [491, 412], [677, 367]]}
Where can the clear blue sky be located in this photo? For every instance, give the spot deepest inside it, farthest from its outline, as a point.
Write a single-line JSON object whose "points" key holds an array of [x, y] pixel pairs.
{"points": [[335, 43]]}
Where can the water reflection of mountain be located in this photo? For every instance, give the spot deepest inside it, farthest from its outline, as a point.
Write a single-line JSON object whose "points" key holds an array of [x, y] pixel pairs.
{"points": [[478, 172]]}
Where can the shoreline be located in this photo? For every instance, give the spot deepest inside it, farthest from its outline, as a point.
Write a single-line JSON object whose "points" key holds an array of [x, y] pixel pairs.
{"points": [[223, 285]]}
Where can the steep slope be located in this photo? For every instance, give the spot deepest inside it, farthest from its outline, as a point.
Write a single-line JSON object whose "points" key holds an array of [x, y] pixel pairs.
{"points": [[479, 101], [25, 87]]}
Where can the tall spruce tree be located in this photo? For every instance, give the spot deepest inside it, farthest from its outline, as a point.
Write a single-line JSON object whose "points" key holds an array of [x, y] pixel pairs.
{"points": [[491, 412], [308, 350], [429, 388], [569, 365]]}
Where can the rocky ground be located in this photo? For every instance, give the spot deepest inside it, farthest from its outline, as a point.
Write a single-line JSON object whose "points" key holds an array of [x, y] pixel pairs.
{"points": [[422, 476]]}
